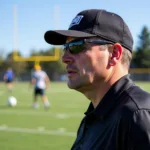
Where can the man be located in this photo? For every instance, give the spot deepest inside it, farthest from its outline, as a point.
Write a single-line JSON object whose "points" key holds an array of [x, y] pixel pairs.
{"points": [[97, 54], [8, 78], [40, 80]]}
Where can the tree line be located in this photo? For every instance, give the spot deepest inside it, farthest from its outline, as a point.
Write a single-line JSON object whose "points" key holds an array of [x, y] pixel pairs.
{"points": [[141, 58], [141, 55]]}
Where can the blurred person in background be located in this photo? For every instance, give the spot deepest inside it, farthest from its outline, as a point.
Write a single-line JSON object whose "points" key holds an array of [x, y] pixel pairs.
{"points": [[41, 82], [9, 78], [97, 53]]}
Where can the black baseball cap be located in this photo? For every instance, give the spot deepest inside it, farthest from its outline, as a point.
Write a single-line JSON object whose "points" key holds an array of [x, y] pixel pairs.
{"points": [[91, 23]]}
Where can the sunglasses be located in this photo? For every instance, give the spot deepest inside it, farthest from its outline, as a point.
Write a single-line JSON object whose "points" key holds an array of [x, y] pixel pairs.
{"points": [[77, 46]]}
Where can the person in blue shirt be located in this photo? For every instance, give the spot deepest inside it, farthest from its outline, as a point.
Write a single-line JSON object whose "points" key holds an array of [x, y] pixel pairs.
{"points": [[9, 78]]}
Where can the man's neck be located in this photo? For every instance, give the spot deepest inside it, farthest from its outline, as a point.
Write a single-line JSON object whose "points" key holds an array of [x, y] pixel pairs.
{"points": [[98, 90]]}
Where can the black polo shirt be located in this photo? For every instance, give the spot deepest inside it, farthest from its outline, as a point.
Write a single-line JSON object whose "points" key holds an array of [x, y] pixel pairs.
{"points": [[121, 121]]}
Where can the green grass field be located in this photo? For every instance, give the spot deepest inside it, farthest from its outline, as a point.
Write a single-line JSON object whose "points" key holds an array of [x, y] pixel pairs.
{"points": [[24, 128]]}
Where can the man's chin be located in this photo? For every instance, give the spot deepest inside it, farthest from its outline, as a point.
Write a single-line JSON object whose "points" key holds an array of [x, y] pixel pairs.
{"points": [[73, 85], [78, 88]]}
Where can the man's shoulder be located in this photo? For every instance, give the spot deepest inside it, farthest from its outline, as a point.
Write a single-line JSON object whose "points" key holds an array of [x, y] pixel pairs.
{"points": [[139, 97], [135, 99]]}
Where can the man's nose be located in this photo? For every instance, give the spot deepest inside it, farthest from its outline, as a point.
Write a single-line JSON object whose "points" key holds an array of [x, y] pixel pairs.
{"points": [[67, 58]]}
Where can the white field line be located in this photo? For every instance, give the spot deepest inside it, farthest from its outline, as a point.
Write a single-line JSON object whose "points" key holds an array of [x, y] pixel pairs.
{"points": [[58, 132], [31, 113]]}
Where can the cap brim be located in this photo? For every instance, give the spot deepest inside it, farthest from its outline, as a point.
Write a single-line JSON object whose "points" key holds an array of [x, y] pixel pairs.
{"points": [[58, 37]]}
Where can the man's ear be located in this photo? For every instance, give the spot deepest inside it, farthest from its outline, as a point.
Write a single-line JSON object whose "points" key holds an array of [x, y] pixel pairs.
{"points": [[116, 54]]}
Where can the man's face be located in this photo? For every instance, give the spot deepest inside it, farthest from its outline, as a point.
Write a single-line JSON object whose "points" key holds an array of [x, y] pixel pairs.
{"points": [[87, 68]]}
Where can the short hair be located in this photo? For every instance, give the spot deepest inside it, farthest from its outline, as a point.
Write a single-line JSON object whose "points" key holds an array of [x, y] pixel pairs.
{"points": [[126, 57]]}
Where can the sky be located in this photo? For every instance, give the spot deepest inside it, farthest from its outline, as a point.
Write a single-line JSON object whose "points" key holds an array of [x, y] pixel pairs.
{"points": [[24, 22]]}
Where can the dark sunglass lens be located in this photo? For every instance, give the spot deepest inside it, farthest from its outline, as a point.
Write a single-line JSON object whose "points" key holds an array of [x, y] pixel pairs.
{"points": [[76, 47]]}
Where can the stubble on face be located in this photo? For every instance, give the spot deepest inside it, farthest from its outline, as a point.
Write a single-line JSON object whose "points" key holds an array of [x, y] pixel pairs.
{"points": [[81, 77], [89, 66]]}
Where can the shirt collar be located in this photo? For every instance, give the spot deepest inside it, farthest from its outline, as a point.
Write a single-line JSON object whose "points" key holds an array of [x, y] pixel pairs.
{"points": [[110, 99]]}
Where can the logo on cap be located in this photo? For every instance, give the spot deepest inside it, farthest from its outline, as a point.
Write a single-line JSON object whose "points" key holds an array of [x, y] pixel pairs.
{"points": [[76, 20]]}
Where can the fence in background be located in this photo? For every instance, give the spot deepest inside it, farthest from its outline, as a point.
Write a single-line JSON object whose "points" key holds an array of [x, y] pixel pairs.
{"points": [[137, 74], [140, 74]]}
